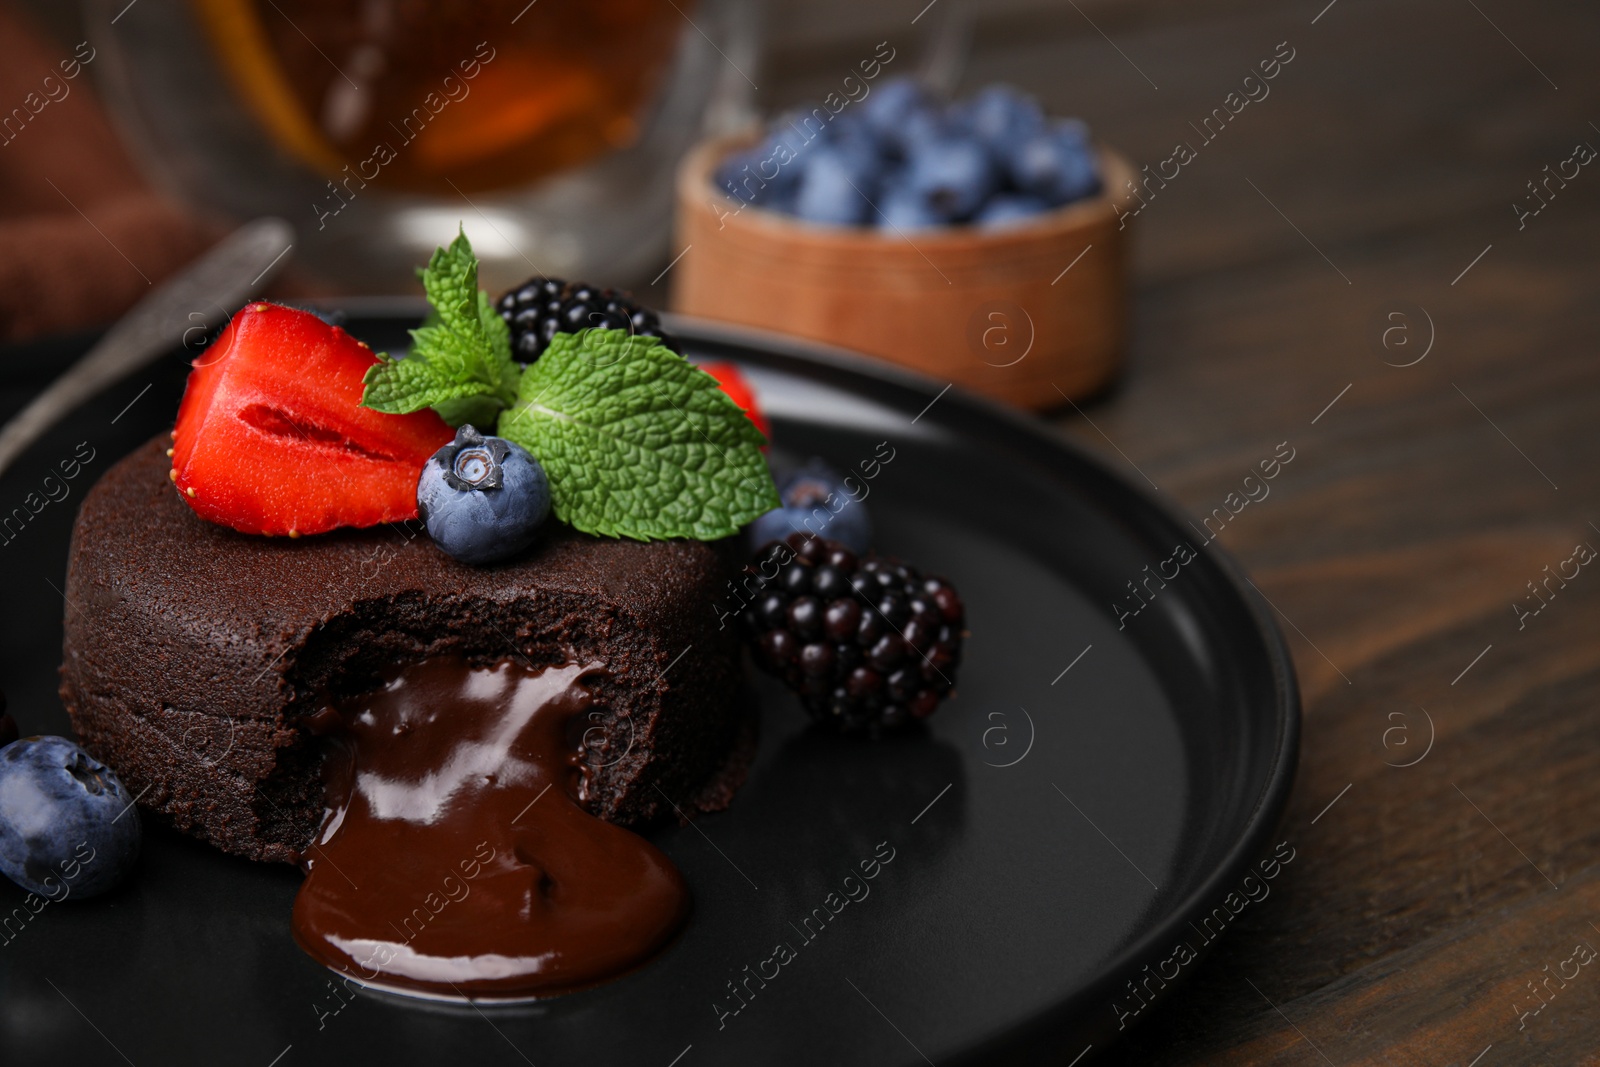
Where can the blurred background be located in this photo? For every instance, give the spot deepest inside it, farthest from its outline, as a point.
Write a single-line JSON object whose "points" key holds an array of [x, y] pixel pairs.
{"points": [[554, 132], [550, 130], [1402, 184]]}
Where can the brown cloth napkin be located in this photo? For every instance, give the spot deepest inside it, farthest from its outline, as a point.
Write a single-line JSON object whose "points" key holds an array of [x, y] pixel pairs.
{"points": [[82, 234]]}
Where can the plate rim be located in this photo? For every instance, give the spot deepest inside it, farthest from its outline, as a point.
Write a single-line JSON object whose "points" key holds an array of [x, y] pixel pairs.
{"points": [[1267, 813], [1264, 817]]}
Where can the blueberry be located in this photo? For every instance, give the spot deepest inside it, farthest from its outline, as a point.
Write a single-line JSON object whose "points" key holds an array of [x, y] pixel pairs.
{"points": [[1001, 116], [781, 201], [919, 128], [756, 179], [739, 176], [797, 136], [887, 108], [482, 498], [1010, 209], [800, 127], [953, 176], [766, 175], [67, 825], [901, 115], [1057, 164], [776, 155], [817, 501], [851, 125], [836, 184], [903, 209]]}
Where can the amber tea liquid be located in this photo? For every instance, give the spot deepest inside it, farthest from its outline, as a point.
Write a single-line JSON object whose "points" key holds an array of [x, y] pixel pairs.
{"points": [[440, 97]]}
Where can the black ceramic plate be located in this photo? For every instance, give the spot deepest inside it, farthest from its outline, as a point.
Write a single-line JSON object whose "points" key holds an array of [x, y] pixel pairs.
{"points": [[1083, 808]]}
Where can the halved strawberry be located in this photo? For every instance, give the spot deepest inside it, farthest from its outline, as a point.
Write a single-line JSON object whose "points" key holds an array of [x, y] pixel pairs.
{"points": [[733, 383], [272, 437]]}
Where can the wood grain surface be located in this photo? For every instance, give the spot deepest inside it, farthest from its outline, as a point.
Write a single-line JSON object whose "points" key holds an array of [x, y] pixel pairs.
{"points": [[1373, 189], [1343, 269]]}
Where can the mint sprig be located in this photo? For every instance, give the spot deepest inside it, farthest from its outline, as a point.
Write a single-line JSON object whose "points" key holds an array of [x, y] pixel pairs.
{"points": [[460, 361], [637, 441]]}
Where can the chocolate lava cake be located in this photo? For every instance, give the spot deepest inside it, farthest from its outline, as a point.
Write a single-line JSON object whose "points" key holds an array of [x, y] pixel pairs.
{"points": [[197, 659]]}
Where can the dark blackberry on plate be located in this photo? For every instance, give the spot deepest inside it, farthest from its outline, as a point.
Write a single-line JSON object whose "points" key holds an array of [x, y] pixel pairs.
{"points": [[540, 308], [869, 644]]}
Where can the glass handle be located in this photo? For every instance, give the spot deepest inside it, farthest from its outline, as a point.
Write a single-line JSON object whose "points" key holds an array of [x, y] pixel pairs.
{"points": [[732, 107]]}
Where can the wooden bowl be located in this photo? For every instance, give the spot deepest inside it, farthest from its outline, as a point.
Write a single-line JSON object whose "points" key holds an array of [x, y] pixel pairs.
{"points": [[1030, 314]]}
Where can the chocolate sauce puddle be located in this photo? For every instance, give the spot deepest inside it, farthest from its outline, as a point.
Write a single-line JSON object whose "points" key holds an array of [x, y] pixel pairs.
{"points": [[455, 860]]}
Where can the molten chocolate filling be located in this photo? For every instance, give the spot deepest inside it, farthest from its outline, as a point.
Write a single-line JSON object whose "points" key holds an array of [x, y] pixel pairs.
{"points": [[455, 860]]}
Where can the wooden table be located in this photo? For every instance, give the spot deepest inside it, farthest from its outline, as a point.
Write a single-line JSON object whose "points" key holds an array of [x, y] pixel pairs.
{"points": [[1343, 269], [1358, 219]]}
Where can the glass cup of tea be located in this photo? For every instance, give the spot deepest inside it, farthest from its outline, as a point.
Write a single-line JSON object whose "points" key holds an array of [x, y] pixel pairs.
{"points": [[549, 129]]}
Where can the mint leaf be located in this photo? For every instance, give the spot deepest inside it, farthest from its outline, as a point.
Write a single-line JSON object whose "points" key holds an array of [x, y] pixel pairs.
{"points": [[397, 387], [480, 411], [460, 361], [637, 441]]}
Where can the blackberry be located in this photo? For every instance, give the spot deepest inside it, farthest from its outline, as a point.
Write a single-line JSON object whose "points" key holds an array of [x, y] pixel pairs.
{"points": [[540, 308], [868, 644]]}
